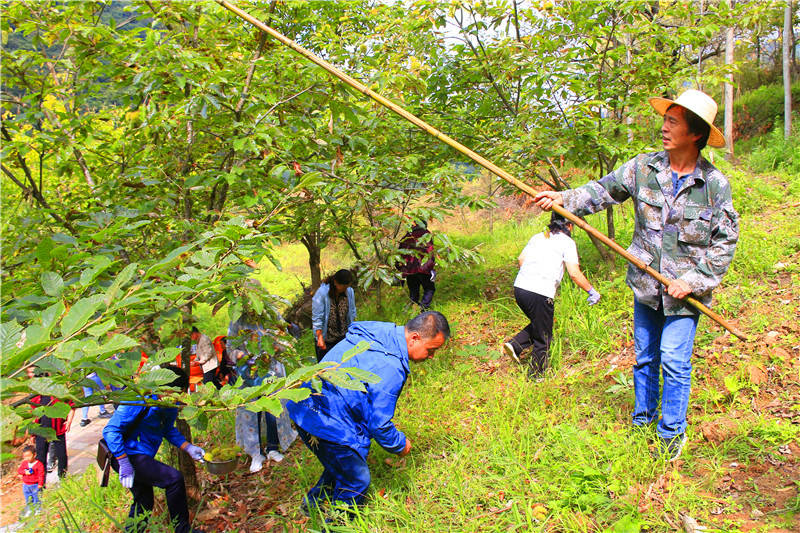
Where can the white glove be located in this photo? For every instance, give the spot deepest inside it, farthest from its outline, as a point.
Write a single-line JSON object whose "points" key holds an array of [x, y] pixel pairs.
{"points": [[195, 452]]}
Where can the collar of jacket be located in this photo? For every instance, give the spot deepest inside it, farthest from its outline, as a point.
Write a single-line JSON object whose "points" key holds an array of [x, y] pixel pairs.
{"points": [[660, 164], [402, 346]]}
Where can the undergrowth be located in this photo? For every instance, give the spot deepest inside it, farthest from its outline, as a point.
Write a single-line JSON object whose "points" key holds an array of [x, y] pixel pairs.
{"points": [[494, 451]]}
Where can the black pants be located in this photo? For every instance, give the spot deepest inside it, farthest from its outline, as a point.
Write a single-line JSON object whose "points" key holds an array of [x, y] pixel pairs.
{"points": [[60, 449], [328, 346], [211, 377], [414, 281], [537, 334], [149, 473]]}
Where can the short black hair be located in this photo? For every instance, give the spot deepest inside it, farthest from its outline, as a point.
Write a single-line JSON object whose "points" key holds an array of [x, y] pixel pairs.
{"points": [[697, 125], [342, 277], [559, 224], [429, 324], [29, 449], [195, 330], [181, 380]]}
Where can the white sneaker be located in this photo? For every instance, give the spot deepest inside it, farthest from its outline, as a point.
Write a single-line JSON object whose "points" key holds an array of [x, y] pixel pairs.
{"points": [[257, 463], [275, 455], [508, 350]]}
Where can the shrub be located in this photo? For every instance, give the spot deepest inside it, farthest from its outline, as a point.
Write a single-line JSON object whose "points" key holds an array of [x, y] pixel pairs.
{"points": [[758, 111], [774, 152]]}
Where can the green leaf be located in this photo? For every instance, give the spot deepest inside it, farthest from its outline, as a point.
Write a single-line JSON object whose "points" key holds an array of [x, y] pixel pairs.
{"points": [[102, 328], [168, 259], [50, 316], [10, 335], [359, 348], [167, 355], [310, 179], [80, 313], [99, 264], [362, 375], [340, 379], [156, 378], [265, 403], [56, 410], [118, 343], [122, 278], [47, 387], [52, 284], [43, 250], [295, 395]]}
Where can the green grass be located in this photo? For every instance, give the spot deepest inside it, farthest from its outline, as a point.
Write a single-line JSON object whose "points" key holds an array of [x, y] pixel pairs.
{"points": [[496, 452]]}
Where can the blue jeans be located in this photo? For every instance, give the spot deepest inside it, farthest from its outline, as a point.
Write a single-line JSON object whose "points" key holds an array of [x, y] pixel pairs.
{"points": [[345, 477], [663, 344], [88, 391], [31, 493]]}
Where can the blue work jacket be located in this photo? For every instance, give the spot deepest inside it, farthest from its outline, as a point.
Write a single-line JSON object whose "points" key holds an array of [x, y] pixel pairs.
{"points": [[158, 424], [351, 417], [321, 308]]}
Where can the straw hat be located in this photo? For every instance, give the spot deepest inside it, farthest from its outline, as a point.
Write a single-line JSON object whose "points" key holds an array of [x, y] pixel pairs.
{"points": [[700, 104]]}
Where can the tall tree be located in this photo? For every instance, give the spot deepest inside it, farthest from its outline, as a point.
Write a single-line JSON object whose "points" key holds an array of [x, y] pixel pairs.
{"points": [[787, 78], [729, 45]]}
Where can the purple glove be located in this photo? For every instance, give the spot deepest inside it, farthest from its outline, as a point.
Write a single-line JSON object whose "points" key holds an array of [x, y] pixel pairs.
{"points": [[433, 275], [593, 297], [195, 452], [125, 472]]}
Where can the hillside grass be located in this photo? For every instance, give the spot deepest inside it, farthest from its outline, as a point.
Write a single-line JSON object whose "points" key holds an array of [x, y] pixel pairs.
{"points": [[494, 451]]}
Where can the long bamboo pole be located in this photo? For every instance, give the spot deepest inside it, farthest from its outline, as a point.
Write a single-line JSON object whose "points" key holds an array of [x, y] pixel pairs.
{"points": [[485, 163]]}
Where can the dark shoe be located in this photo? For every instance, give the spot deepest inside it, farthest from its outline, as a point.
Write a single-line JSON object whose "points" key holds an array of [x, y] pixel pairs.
{"points": [[670, 449], [105, 414], [85, 422]]}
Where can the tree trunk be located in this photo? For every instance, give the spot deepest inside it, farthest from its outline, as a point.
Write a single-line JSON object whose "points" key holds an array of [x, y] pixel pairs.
{"points": [[311, 242], [178, 458], [185, 464], [379, 299], [612, 232], [787, 78], [729, 91]]}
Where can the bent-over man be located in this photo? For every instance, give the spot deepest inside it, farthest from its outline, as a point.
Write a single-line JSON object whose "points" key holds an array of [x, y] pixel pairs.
{"points": [[338, 425]]}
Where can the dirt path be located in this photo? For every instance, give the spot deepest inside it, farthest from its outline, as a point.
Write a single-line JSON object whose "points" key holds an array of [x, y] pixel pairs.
{"points": [[81, 451]]}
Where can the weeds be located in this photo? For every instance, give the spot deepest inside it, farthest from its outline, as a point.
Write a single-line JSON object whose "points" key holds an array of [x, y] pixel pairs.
{"points": [[494, 451]]}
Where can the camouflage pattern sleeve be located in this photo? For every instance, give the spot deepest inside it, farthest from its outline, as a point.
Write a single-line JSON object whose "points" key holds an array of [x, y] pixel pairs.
{"points": [[708, 272], [614, 188]]}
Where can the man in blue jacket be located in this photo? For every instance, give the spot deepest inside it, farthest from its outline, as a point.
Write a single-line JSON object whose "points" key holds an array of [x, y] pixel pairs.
{"points": [[134, 438], [338, 424]]}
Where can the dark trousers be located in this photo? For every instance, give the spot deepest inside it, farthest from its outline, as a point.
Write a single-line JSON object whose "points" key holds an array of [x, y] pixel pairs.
{"points": [[271, 424], [328, 346], [211, 377], [149, 473], [59, 448], [537, 334], [414, 282], [345, 477]]}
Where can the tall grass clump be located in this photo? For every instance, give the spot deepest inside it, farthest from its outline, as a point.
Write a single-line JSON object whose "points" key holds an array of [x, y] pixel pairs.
{"points": [[776, 153]]}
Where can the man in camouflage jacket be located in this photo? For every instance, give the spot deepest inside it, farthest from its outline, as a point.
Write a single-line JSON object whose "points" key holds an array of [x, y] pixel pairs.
{"points": [[687, 229]]}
